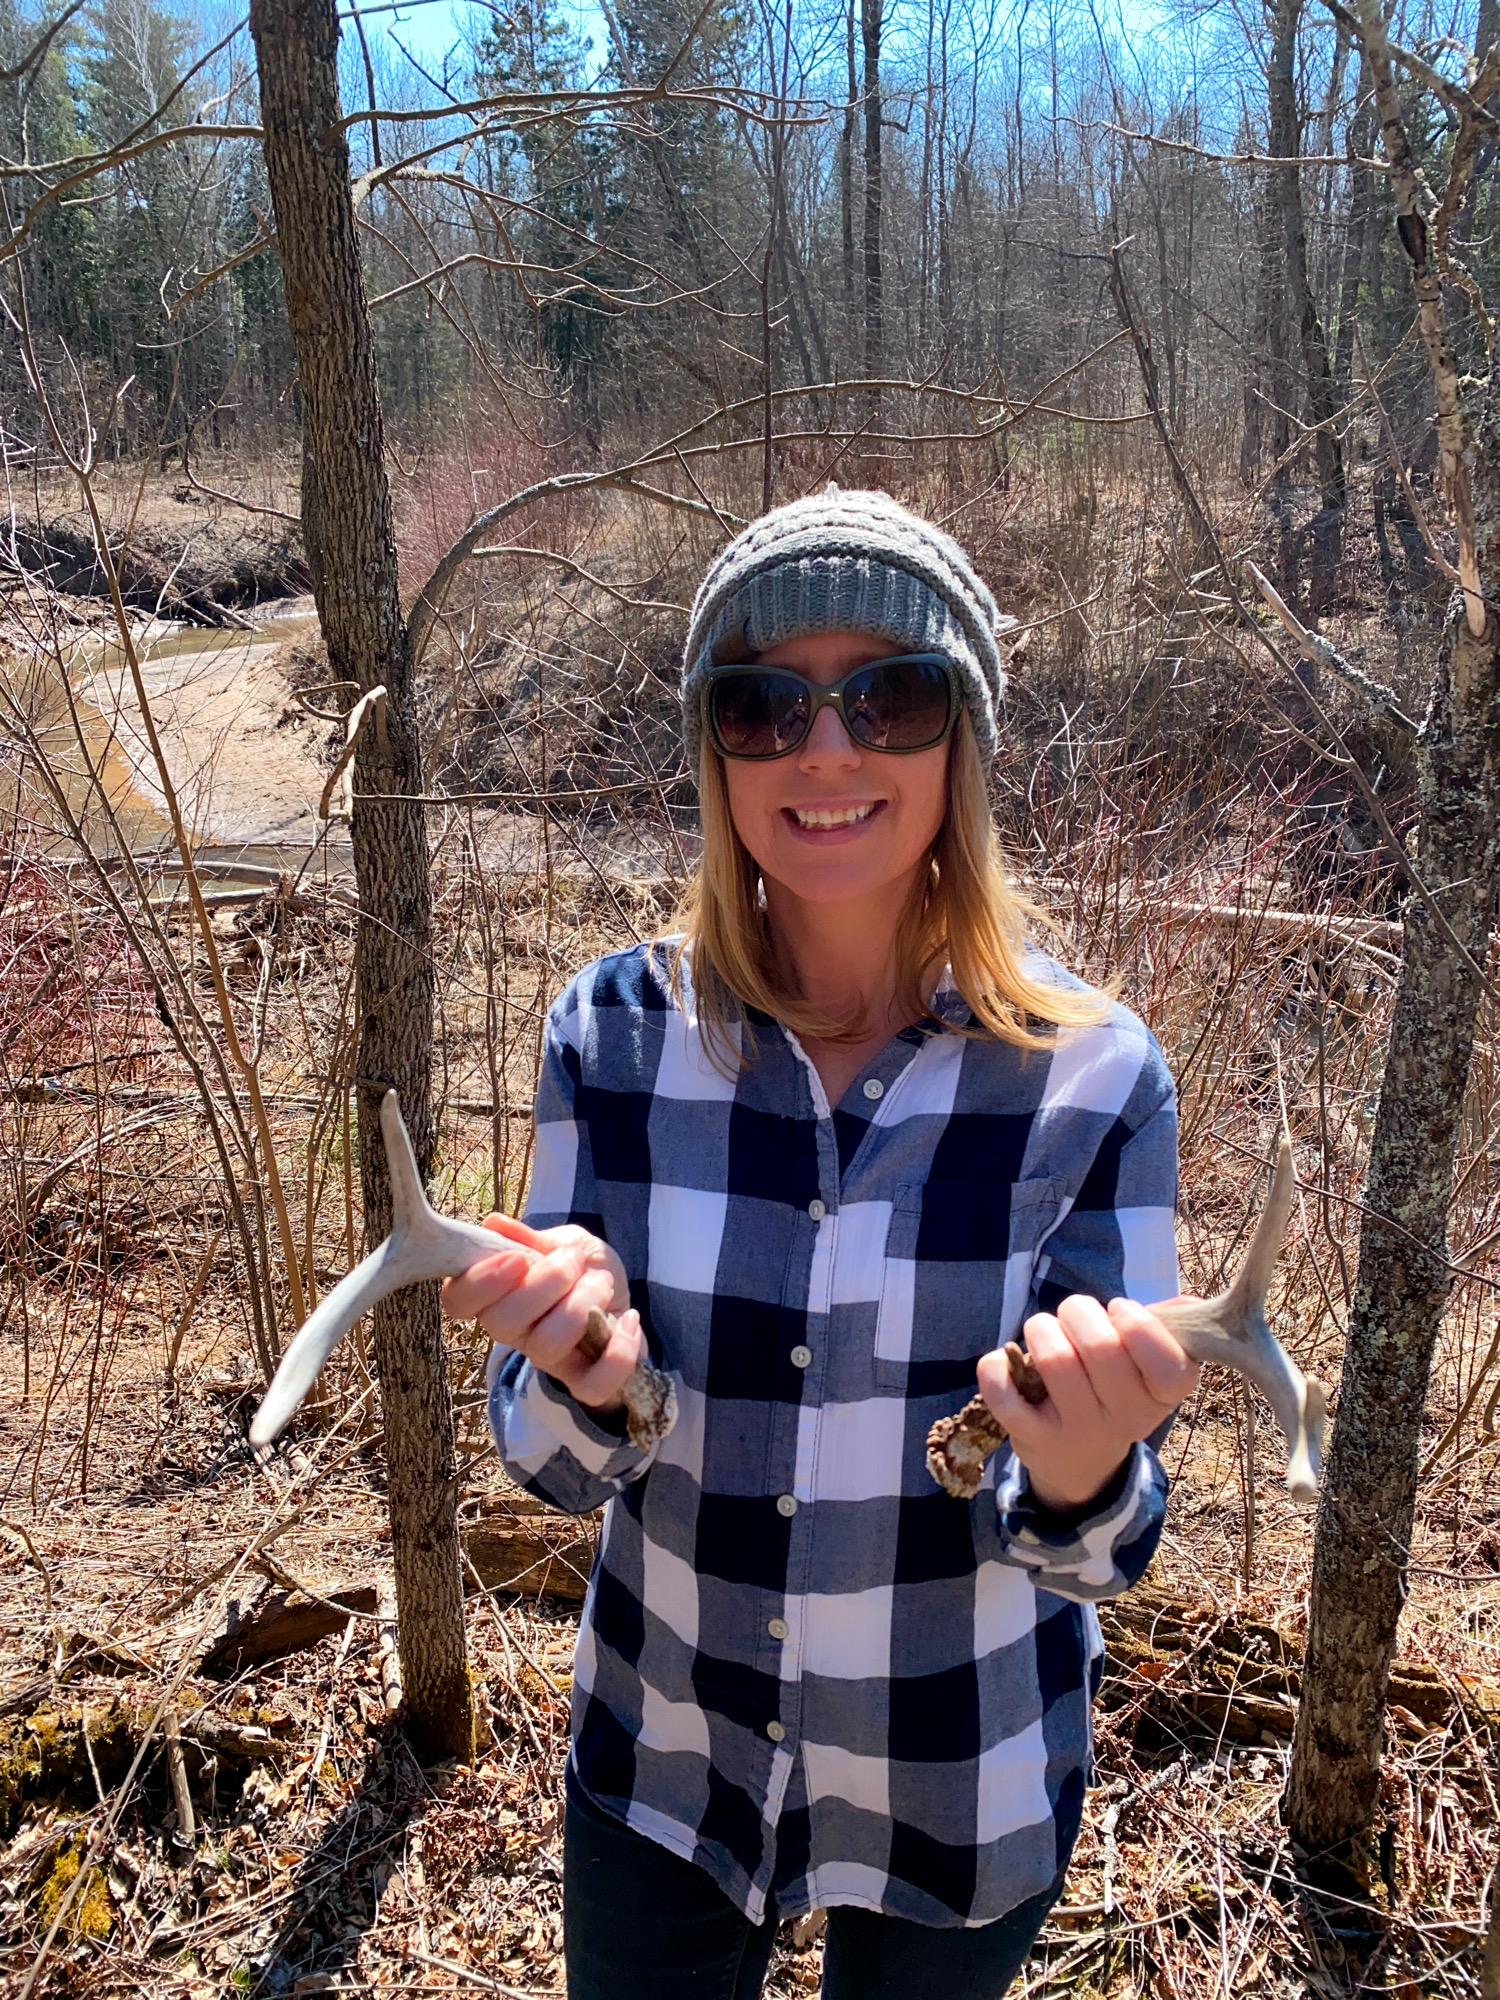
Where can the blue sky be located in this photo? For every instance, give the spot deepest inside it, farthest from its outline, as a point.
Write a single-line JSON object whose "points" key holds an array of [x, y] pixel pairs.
{"points": [[429, 28]]}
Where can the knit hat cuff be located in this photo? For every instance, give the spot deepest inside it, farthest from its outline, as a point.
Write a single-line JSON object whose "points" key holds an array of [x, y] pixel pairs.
{"points": [[846, 562]]}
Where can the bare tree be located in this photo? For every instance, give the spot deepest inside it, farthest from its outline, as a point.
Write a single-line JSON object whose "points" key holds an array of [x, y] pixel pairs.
{"points": [[1285, 140], [307, 160], [1405, 1273]]}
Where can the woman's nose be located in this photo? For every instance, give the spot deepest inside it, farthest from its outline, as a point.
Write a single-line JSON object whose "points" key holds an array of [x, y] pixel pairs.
{"points": [[829, 744]]}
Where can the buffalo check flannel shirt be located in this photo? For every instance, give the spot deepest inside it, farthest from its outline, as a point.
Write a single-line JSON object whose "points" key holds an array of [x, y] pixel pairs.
{"points": [[801, 1665]]}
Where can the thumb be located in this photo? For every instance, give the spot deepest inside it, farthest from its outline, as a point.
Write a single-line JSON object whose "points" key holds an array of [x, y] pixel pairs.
{"points": [[516, 1231]]}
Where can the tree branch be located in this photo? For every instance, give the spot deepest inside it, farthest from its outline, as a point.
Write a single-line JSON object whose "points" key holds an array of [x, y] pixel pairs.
{"points": [[1314, 647]]}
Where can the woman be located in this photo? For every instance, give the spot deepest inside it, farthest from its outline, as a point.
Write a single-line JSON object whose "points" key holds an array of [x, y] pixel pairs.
{"points": [[823, 1157]]}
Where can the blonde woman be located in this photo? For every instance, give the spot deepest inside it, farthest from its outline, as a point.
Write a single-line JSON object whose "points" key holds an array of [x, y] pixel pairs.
{"points": [[824, 1154]]}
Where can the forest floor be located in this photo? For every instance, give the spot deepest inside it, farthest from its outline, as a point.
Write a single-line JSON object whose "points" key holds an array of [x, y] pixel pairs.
{"points": [[325, 1860], [134, 1525]]}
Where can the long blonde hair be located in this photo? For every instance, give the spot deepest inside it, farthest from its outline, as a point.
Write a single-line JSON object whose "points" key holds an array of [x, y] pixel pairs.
{"points": [[964, 911]]}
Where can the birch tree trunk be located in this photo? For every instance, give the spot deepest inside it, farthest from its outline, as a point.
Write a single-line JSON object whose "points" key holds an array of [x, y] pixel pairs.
{"points": [[307, 163]]}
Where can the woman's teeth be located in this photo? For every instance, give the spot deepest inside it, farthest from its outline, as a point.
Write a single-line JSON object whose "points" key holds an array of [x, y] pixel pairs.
{"points": [[831, 815]]}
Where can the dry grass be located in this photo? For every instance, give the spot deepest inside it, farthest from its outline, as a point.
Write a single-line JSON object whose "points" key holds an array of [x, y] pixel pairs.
{"points": [[1158, 807]]}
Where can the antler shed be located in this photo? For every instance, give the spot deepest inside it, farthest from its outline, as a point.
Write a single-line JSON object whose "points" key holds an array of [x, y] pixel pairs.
{"points": [[423, 1245], [1231, 1329]]}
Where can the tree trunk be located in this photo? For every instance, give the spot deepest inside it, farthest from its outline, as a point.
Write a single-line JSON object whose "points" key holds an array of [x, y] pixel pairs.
{"points": [[870, 27], [307, 163], [1361, 202], [1285, 137], [846, 167], [1254, 388], [1369, 1492], [1369, 1495]]}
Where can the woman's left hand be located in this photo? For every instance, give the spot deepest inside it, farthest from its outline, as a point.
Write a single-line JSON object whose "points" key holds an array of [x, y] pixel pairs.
{"points": [[1113, 1374]]}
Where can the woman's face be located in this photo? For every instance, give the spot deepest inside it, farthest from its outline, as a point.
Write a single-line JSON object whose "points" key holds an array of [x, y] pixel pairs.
{"points": [[832, 822]]}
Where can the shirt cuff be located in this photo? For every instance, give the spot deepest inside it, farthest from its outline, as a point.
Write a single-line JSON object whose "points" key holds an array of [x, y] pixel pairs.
{"points": [[1064, 1520], [1095, 1552], [544, 1416]]}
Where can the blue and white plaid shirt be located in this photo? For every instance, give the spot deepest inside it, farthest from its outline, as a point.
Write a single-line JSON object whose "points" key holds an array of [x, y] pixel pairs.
{"points": [[802, 1665]]}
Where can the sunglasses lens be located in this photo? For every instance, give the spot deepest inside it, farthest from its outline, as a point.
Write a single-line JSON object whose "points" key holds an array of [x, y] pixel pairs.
{"points": [[758, 714], [899, 704]]}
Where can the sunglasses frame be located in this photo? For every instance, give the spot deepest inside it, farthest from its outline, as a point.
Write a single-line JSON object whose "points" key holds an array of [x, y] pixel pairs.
{"points": [[823, 696]]}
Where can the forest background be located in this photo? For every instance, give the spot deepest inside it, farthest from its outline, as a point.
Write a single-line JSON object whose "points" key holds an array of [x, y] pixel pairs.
{"points": [[1124, 299]]}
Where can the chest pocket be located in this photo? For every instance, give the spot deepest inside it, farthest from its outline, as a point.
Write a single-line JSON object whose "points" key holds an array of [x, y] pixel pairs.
{"points": [[959, 1257]]}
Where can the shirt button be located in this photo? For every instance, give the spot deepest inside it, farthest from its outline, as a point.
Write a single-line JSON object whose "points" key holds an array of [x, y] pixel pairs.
{"points": [[874, 1088], [779, 1629], [802, 1357], [776, 1731], [817, 1210], [786, 1505]]}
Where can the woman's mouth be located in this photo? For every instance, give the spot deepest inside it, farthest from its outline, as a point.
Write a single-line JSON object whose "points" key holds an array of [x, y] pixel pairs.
{"points": [[823, 819]]}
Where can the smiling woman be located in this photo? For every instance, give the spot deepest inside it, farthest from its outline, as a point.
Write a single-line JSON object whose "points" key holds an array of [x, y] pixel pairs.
{"points": [[806, 807], [823, 1155]]}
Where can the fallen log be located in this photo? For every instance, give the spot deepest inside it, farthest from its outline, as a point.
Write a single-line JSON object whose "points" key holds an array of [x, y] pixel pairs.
{"points": [[1192, 1671], [69, 1744], [525, 1550]]}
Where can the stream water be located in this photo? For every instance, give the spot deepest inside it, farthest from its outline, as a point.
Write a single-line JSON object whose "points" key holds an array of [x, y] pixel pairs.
{"points": [[239, 753]]}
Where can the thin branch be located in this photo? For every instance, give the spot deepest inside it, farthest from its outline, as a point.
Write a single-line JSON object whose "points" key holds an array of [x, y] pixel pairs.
{"points": [[230, 499], [1313, 646], [583, 575], [1226, 159], [37, 53]]}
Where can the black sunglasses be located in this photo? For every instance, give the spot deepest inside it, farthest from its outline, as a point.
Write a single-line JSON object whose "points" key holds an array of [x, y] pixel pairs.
{"points": [[907, 703]]}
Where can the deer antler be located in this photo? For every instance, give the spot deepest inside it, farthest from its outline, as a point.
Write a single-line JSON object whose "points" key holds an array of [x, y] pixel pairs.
{"points": [[424, 1245], [1231, 1329]]}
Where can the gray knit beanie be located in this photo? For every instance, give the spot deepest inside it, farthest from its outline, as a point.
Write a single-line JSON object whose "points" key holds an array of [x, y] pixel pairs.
{"points": [[846, 562]]}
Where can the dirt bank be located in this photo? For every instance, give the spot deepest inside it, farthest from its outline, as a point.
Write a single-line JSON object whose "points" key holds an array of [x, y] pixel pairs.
{"points": [[188, 562]]}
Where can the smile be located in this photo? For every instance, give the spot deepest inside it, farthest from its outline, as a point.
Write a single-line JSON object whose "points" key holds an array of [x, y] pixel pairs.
{"points": [[830, 816]]}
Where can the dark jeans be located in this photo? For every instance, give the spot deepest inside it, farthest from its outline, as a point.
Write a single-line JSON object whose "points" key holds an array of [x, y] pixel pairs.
{"points": [[640, 1923]]}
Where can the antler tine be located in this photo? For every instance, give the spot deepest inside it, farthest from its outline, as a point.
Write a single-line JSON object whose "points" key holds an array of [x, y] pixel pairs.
{"points": [[1253, 1279], [408, 1198], [424, 1245]]}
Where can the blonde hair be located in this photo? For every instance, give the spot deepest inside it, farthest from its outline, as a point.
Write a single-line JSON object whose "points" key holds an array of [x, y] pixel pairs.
{"points": [[964, 911]]}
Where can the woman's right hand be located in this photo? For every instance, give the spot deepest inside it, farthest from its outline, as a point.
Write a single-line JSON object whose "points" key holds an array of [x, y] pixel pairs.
{"points": [[536, 1294]]}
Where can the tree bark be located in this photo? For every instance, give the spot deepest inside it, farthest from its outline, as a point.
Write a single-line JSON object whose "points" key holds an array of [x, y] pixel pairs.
{"points": [[307, 163], [1369, 1496], [1285, 138], [870, 28], [846, 166], [1361, 203]]}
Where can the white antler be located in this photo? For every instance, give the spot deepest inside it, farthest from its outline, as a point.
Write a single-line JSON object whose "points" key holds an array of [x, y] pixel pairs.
{"points": [[1231, 1329], [424, 1245]]}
